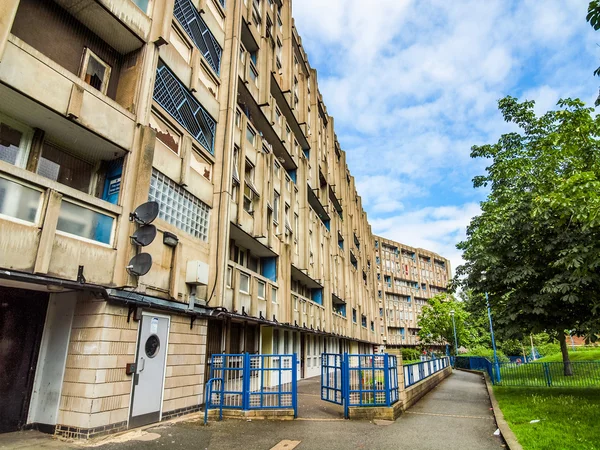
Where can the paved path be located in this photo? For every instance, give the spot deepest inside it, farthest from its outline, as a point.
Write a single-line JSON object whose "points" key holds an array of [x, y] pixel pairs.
{"points": [[310, 405], [454, 416]]}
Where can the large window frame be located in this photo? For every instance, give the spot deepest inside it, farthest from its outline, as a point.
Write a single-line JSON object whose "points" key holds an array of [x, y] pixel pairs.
{"points": [[25, 142]]}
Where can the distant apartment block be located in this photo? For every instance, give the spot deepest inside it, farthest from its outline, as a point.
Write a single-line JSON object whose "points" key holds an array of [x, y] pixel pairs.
{"points": [[406, 278]]}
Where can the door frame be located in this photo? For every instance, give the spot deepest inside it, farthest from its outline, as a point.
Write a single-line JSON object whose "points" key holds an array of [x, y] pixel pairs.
{"points": [[137, 346]]}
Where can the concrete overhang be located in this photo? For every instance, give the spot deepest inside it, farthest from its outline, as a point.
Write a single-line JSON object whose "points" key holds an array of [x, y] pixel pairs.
{"points": [[247, 241], [262, 124], [298, 275], [119, 23]]}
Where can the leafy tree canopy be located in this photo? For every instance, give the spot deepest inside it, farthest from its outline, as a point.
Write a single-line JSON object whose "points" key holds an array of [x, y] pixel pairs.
{"points": [[435, 321], [535, 247]]}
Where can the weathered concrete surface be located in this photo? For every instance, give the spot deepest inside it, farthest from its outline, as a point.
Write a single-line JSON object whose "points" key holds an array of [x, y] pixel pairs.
{"points": [[455, 415], [310, 405]]}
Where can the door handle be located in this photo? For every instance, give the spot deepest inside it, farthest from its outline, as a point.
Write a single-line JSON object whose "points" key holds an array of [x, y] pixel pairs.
{"points": [[142, 364]]}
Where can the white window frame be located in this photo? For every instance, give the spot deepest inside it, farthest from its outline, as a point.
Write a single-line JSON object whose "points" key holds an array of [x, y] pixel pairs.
{"points": [[86, 59], [97, 210], [260, 283], [26, 139], [273, 295], [244, 274], [38, 213]]}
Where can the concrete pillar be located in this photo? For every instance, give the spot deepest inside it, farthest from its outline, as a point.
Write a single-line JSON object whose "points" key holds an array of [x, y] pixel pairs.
{"points": [[42, 261], [8, 11]]}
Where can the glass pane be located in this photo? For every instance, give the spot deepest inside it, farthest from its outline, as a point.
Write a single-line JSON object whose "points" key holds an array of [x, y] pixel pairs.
{"points": [[18, 201], [80, 221], [10, 140], [64, 168], [142, 4], [95, 73]]}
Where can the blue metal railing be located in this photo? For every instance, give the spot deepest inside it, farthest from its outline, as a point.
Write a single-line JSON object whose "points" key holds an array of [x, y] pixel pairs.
{"points": [[413, 373], [359, 380], [192, 22], [249, 382]]}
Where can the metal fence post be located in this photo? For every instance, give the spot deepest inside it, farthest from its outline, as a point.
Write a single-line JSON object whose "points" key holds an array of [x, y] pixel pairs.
{"points": [[386, 379], [246, 383], [345, 385], [547, 374], [295, 385]]}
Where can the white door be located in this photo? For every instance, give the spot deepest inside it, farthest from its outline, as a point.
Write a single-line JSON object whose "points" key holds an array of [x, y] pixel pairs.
{"points": [[150, 370]]}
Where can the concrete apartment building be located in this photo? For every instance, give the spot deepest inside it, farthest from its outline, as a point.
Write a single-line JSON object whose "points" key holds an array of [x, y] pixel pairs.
{"points": [[211, 109], [406, 278]]}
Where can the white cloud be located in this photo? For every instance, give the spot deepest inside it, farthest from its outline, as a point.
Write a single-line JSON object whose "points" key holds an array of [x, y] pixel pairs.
{"points": [[414, 84]]}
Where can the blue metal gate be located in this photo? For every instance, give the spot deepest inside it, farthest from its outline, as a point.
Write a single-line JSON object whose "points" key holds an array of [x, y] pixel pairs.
{"points": [[246, 382], [359, 380], [331, 378]]}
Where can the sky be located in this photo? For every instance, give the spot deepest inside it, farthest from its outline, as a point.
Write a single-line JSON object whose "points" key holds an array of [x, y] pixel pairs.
{"points": [[412, 85]]}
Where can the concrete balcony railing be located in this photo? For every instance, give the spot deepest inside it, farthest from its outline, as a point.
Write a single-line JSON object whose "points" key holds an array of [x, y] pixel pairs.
{"points": [[308, 314], [50, 228], [29, 72], [339, 324], [251, 293]]}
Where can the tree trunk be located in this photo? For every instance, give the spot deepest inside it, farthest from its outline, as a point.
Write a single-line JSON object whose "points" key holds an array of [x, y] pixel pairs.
{"points": [[568, 369]]}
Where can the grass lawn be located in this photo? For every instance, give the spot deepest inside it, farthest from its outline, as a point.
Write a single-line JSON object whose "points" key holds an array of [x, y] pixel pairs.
{"points": [[568, 417], [592, 354]]}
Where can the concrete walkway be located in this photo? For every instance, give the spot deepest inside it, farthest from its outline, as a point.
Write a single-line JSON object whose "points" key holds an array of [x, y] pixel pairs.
{"points": [[455, 415], [310, 405]]}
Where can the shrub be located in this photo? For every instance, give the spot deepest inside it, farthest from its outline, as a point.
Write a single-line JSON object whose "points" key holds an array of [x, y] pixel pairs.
{"points": [[486, 353], [410, 354]]}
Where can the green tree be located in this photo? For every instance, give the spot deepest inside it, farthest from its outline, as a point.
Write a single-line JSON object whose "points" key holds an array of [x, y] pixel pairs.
{"points": [[593, 17], [435, 321], [535, 247]]}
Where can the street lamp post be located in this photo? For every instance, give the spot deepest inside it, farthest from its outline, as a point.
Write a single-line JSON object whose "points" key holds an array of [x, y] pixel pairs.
{"points": [[496, 365], [454, 327]]}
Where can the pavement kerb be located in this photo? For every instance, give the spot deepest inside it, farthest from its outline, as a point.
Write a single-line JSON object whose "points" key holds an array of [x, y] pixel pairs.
{"points": [[507, 434]]}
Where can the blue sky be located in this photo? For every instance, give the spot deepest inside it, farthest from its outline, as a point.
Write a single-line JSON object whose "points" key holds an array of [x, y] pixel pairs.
{"points": [[412, 85]]}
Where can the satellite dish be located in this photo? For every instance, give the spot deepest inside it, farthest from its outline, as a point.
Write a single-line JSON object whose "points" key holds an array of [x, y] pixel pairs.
{"points": [[139, 265], [144, 235], [145, 213]]}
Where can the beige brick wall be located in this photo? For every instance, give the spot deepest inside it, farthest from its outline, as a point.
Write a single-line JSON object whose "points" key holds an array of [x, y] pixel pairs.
{"points": [[96, 390], [186, 358]]}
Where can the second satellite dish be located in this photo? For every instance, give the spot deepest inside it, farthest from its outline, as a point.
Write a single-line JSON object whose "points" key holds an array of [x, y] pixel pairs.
{"points": [[145, 213], [140, 264], [144, 235]]}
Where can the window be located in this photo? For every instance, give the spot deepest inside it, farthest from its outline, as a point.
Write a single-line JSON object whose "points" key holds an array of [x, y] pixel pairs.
{"points": [[276, 207], [354, 315], [250, 135], [254, 74], [244, 283], [229, 276], [260, 289], [279, 53], [273, 295], [59, 166], [287, 217], [279, 21], [178, 207], [276, 168], [84, 222], [94, 71], [15, 141], [363, 321], [19, 201], [295, 302], [250, 191]]}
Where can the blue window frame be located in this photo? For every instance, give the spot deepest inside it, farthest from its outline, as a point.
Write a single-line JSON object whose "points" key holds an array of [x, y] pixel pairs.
{"points": [[174, 97], [189, 18]]}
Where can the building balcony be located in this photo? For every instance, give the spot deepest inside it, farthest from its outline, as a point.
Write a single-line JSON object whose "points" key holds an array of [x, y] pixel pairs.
{"points": [[123, 24], [49, 228], [251, 294], [38, 83]]}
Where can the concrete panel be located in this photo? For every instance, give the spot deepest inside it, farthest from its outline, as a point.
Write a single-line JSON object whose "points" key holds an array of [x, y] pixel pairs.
{"points": [[69, 253], [106, 120], [19, 245], [24, 71]]}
